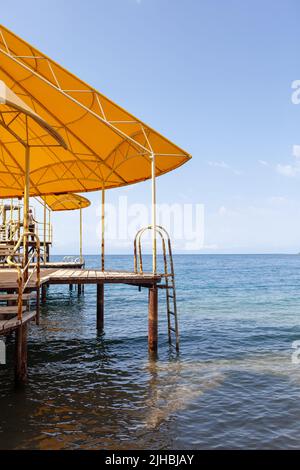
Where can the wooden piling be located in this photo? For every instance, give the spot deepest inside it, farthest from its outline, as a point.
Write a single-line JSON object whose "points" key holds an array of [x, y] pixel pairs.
{"points": [[21, 355], [37, 307], [100, 307], [79, 290], [71, 287], [44, 293], [153, 320]]}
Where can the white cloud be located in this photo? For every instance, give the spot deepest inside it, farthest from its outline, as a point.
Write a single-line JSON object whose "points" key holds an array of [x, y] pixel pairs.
{"points": [[293, 169], [220, 164], [277, 200], [224, 165], [263, 163], [296, 151], [224, 211], [288, 170]]}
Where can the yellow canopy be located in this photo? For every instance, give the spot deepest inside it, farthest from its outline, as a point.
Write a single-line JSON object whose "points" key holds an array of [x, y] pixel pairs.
{"points": [[107, 146], [20, 127], [66, 202]]}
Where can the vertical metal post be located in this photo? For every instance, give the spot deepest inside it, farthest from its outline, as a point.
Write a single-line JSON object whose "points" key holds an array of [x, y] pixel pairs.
{"points": [[26, 206], [80, 237], [103, 230], [49, 227], [153, 175], [45, 232], [11, 218], [19, 219]]}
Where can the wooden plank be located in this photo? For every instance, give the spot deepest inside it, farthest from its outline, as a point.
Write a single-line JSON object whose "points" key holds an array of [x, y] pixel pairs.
{"points": [[58, 273], [13, 323], [7, 297], [74, 274], [10, 310]]}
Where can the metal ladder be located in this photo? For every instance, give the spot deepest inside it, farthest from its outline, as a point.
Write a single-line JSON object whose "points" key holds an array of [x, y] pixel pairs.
{"points": [[168, 276]]}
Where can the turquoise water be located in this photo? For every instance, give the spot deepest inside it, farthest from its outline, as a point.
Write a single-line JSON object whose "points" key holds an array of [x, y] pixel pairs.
{"points": [[232, 386]]}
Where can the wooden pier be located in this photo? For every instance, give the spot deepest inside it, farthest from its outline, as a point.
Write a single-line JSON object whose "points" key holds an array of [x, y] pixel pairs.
{"points": [[80, 277]]}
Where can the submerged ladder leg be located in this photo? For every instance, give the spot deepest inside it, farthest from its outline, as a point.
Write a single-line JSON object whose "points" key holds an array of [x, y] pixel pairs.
{"points": [[171, 300]]}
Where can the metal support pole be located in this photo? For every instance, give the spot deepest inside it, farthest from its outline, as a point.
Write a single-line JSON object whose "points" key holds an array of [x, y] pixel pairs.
{"points": [[103, 230], [45, 233], [19, 220], [80, 236], [26, 205], [153, 173], [11, 213], [49, 227]]}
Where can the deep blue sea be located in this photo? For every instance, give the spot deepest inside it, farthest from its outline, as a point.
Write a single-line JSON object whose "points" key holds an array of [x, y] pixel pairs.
{"points": [[232, 386]]}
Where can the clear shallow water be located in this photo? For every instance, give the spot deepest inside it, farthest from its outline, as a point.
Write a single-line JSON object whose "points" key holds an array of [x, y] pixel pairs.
{"points": [[232, 386]]}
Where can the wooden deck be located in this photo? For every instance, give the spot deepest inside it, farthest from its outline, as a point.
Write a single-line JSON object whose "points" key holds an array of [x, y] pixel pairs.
{"points": [[6, 326], [52, 265], [8, 284], [8, 277], [53, 275]]}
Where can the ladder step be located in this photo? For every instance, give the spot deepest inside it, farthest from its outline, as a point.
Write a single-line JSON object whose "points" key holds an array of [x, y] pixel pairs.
{"points": [[172, 329], [171, 313]]}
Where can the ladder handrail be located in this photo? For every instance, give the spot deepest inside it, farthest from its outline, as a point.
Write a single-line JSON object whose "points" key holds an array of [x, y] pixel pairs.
{"points": [[162, 232], [168, 286], [22, 276]]}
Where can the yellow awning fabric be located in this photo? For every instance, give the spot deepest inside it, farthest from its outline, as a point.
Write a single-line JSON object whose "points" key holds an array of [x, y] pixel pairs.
{"points": [[66, 202], [20, 126], [107, 146]]}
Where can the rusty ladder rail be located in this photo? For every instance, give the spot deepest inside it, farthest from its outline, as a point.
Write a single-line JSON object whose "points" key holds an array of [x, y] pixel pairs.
{"points": [[23, 274], [169, 278]]}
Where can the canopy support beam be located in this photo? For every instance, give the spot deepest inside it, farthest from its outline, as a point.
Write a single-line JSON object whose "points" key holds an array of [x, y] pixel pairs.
{"points": [[45, 232], [26, 205], [80, 236], [103, 230], [153, 180]]}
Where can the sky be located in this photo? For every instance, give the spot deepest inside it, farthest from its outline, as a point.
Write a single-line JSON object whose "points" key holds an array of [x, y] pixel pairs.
{"points": [[214, 76]]}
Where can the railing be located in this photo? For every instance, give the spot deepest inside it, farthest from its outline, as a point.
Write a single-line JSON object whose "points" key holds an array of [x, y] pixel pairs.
{"points": [[9, 231], [138, 247], [44, 232], [72, 259], [23, 274]]}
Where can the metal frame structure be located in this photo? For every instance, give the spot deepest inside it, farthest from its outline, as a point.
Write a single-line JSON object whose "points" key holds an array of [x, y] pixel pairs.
{"points": [[12, 105], [135, 138], [61, 204]]}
